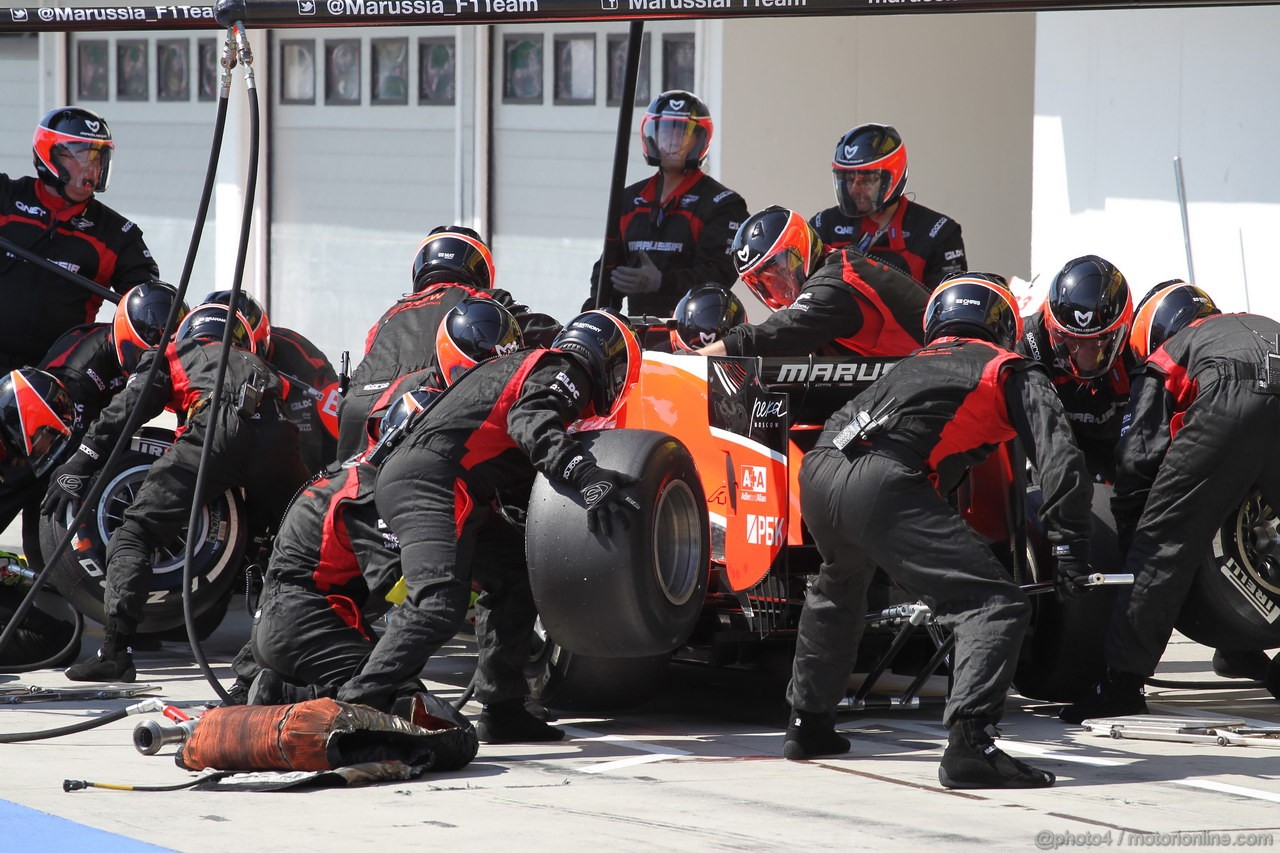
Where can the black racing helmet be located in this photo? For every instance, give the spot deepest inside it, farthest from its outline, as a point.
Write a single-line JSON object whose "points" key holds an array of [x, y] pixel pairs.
{"points": [[139, 320], [869, 152], [677, 125], [705, 314], [253, 313], [72, 132], [209, 322], [1168, 309], [973, 305], [475, 329], [1087, 315], [405, 406], [774, 253], [453, 253], [37, 418], [607, 347]]}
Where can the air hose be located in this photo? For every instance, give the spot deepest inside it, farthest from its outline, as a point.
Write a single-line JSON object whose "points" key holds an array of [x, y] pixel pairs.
{"points": [[146, 706]]}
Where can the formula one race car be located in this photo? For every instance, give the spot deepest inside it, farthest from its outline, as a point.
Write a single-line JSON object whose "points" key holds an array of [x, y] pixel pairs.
{"points": [[716, 570]]}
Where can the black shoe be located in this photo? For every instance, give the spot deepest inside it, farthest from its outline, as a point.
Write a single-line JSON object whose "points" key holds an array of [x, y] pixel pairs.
{"points": [[1118, 695], [114, 667], [510, 722], [810, 735], [269, 688], [972, 760], [1236, 664], [1272, 679]]}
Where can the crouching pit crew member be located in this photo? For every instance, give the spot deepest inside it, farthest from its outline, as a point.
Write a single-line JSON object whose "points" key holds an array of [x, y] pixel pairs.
{"points": [[872, 493], [256, 447]]}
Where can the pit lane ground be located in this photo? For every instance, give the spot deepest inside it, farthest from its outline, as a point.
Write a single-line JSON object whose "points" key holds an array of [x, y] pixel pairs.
{"points": [[696, 769]]}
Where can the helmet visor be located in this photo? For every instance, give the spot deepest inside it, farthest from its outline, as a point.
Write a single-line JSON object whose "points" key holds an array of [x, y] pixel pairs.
{"points": [[84, 163], [1087, 357], [778, 280], [674, 140]]}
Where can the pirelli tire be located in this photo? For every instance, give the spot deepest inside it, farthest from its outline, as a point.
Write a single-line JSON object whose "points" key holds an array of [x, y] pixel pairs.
{"points": [[1062, 653], [79, 573], [638, 592], [1234, 602]]}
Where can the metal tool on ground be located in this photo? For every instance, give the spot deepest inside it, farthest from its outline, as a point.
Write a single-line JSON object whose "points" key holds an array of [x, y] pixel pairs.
{"points": [[22, 694], [1222, 731], [910, 617]]}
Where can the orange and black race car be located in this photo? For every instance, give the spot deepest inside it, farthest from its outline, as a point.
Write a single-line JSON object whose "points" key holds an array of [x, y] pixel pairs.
{"points": [[715, 571]]}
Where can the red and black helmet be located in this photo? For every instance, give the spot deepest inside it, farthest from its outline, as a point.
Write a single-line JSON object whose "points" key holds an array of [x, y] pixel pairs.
{"points": [[973, 305], [607, 347], [1168, 309], [676, 126], [456, 254], [876, 151], [209, 322], [140, 319], [474, 330], [37, 418], [774, 253], [705, 314], [72, 132], [253, 313], [1087, 315]]}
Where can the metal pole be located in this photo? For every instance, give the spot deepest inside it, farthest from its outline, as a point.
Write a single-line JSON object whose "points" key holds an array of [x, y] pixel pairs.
{"points": [[1182, 206]]}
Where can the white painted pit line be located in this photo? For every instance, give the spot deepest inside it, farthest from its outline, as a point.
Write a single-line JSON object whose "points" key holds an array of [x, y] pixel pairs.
{"points": [[652, 752]]}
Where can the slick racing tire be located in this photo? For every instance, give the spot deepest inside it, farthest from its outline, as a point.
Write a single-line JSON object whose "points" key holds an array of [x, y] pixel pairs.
{"points": [[638, 592], [1062, 654], [560, 679], [79, 573], [1234, 601]]}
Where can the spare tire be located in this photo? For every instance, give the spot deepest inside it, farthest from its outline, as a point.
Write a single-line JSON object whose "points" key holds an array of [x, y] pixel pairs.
{"points": [[1234, 601], [638, 592], [79, 573]]}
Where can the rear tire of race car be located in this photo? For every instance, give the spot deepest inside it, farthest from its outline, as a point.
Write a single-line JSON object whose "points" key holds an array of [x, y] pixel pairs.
{"points": [[1234, 602], [1062, 656], [560, 679], [636, 593], [78, 573]]}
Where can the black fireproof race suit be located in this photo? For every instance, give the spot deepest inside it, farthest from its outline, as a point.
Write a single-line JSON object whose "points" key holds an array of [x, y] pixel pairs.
{"points": [[920, 242], [256, 447], [1200, 434], [687, 238], [294, 355], [84, 360], [880, 502], [850, 304], [88, 238], [495, 428], [1095, 407], [404, 340]]}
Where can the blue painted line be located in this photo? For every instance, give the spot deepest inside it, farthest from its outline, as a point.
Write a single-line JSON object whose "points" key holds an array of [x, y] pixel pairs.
{"points": [[20, 824]]}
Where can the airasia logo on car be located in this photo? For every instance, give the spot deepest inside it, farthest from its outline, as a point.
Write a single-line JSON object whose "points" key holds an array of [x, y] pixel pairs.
{"points": [[765, 529]]}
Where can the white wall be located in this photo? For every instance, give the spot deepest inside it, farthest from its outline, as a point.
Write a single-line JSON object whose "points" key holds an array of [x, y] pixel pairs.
{"points": [[19, 103], [958, 87], [1118, 95]]}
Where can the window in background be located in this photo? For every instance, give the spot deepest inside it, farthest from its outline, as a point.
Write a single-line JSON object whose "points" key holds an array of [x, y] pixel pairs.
{"points": [[207, 60], [173, 70], [437, 67], [617, 50], [91, 70], [342, 71], [522, 69], [298, 71], [575, 70], [390, 71], [677, 61], [131, 70]]}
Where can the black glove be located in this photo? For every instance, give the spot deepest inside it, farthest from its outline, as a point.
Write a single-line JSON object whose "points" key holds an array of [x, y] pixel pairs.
{"points": [[70, 480], [1072, 576], [606, 494]]}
